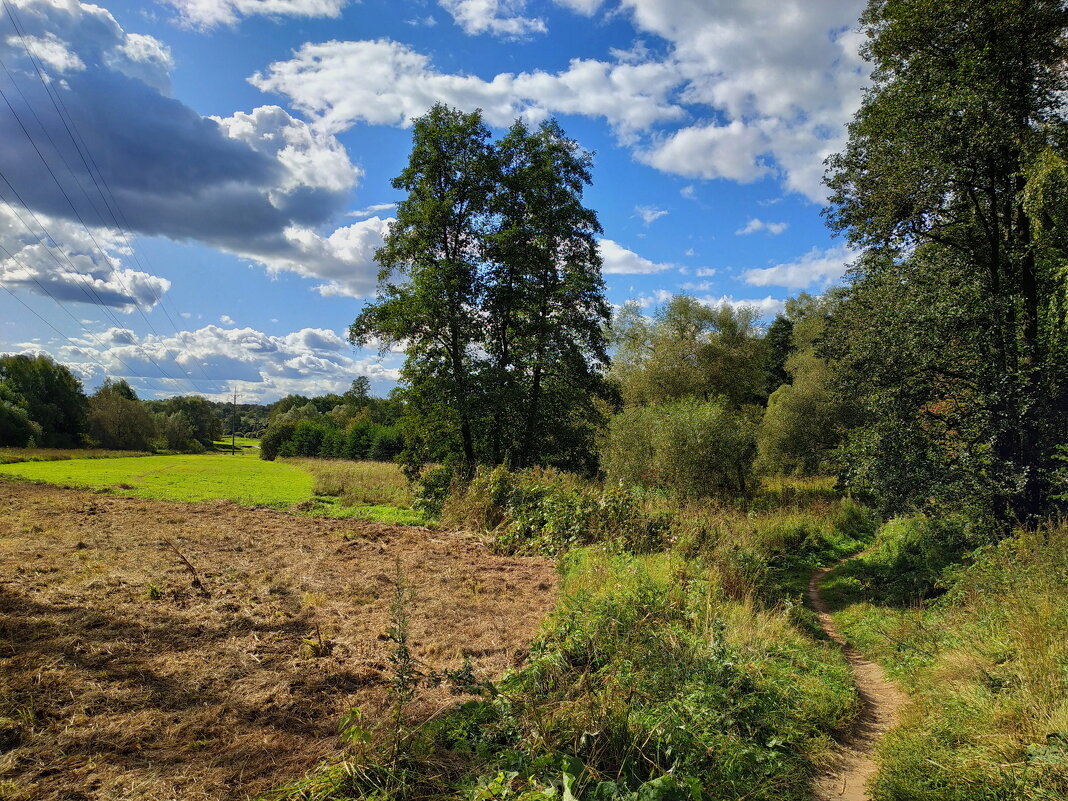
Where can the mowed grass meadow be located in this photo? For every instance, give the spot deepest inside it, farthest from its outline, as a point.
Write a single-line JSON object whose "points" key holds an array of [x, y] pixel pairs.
{"points": [[365, 490]]}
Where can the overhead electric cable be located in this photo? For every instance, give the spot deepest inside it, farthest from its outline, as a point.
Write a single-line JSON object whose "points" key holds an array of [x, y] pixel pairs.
{"points": [[84, 153], [77, 214]]}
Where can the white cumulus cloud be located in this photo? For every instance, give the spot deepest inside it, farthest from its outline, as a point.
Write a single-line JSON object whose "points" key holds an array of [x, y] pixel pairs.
{"points": [[383, 82], [755, 225], [617, 260], [819, 266], [498, 17]]}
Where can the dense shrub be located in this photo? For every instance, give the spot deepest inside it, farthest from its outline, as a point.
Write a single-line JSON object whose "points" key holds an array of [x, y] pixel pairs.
{"points": [[320, 437], [274, 438], [546, 511], [691, 448], [387, 442], [119, 421], [16, 427]]}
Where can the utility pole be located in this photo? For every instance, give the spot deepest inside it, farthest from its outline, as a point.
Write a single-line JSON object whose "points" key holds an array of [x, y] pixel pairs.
{"points": [[233, 428]]}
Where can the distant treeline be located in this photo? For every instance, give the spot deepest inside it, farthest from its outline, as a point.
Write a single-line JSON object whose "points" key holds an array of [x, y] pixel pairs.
{"points": [[43, 404]]}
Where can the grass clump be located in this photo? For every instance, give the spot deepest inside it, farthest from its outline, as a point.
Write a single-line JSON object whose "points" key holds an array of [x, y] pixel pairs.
{"points": [[906, 563], [986, 665], [544, 511]]}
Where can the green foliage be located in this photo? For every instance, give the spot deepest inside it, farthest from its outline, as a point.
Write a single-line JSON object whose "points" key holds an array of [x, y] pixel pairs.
{"points": [[118, 420], [544, 511], [689, 350], [274, 438], [806, 418], [49, 396], [961, 270], [491, 276], [691, 448], [199, 417], [804, 422], [907, 562], [16, 427], [779, 339]]}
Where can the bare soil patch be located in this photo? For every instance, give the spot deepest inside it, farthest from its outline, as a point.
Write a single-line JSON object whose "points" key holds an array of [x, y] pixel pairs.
{"points": [[119, 679], [881, 703]]}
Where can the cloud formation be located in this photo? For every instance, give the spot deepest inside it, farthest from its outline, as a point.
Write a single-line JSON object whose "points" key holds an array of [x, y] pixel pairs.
{"points": [[497, 17], [755, 225], [205, 14], [263, 367], [818, 267], [382, 82], [259, 184], [617, 260], [71, 263], [747, 88], [649, 214]]}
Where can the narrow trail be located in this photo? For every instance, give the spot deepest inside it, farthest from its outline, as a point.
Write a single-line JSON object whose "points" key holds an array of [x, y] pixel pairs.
{"points": [[881, 701]]}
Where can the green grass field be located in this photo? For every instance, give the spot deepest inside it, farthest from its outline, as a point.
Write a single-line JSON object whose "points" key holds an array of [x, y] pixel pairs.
{"points": [[242, 478], [374, 491]]}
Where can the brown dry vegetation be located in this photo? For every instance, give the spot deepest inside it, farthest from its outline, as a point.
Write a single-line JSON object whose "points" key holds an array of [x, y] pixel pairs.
{"points": [[107, 693]]}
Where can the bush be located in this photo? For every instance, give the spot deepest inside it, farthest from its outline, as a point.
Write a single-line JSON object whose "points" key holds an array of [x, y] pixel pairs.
{"points": [[386, 444], [690, 448], [274, 439], [358, 438], [120, 423], [545, 511], [432, 488], [16, 427]]}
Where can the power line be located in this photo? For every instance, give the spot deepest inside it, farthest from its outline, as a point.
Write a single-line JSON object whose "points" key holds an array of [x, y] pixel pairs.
{"points": [[92, 289], [84, 152]]}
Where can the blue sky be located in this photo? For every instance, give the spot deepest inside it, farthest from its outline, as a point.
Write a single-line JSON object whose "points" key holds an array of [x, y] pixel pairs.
{"points": [[191, 191]]}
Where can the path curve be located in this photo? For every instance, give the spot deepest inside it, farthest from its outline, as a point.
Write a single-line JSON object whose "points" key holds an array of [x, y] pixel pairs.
{"points": [[881, 701]]}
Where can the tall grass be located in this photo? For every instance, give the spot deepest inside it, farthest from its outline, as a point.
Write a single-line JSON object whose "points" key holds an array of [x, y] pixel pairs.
{"points": [[359, 483], [987, 666]]}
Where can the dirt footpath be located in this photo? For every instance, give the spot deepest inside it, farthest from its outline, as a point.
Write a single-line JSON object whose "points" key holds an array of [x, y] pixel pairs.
{"points": [[119, 679], [881, 704]]}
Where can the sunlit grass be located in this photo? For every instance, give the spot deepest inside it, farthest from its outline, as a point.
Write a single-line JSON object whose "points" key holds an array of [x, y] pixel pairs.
{"points": [[987, 668], [248, 481]]}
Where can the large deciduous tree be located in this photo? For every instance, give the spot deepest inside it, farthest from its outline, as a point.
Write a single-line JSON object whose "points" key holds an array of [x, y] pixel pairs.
{"points": [[491, 280], [952, 332], [431, 285], [544, 303]]}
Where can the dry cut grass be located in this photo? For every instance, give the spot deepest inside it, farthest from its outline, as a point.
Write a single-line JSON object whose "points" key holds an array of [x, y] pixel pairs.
{"points": [[121, 679]]}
